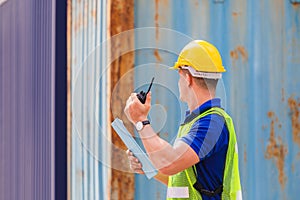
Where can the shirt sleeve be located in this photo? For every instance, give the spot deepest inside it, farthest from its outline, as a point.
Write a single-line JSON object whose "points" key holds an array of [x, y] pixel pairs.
{"points": [[207, 136]]}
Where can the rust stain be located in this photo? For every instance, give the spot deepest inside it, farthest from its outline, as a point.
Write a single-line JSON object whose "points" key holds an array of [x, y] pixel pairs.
{"points": [[282, 95], [295, 5], [94, 15], [78, 23], [85, 17], [239, 51], [234, 55], [243, 52], [121, 18], [294, 107], [165, 2], [276, 150], [157, 56], [270, 114], [235, 14], [156, 19]]}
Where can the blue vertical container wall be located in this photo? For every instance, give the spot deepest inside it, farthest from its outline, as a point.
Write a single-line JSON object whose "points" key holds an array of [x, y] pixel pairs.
{"points": [[27, 67], [88, 90], [260, 45]]}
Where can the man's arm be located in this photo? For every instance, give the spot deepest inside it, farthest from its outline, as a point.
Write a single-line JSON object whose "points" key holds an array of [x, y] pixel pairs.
{"points": [[166, 158]]}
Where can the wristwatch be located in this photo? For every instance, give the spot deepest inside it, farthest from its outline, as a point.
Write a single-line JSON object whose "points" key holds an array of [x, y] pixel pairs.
{"points": [[140, 125]]}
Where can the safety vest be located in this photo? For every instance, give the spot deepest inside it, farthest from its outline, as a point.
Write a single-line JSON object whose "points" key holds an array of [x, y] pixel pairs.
{"points": [[182, 182]]}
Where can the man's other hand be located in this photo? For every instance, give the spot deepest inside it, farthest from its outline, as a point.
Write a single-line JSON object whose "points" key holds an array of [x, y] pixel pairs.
{"points": [[135, 164]]}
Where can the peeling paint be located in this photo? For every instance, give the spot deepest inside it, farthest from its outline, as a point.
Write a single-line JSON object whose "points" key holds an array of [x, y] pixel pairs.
{"points": [[239, 51], [294, 108], [276, 150]]}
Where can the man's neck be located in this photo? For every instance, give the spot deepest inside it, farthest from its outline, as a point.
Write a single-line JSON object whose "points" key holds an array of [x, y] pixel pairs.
{"points": [[199, 99], [194, 105]]}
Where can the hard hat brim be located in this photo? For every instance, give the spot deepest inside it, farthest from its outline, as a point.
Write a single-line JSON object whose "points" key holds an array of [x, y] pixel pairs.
{"points": [[200, 74]]}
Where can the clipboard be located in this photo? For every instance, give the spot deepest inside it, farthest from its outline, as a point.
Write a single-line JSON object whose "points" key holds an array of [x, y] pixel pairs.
{"points": [[132, 145]]}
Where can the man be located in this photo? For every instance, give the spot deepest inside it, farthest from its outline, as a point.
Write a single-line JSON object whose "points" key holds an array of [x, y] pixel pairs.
{"points": [[203, 162]]}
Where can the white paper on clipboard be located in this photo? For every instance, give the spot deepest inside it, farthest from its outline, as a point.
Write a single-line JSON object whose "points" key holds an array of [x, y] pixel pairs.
{"points": [[131, 144]]}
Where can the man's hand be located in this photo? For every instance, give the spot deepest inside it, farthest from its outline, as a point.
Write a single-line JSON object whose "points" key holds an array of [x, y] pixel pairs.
{"points": [[136, 111], [135, 165]]}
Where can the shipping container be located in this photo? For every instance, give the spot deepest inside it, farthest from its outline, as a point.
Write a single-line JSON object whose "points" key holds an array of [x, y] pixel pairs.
{"points": [[113, 53]]}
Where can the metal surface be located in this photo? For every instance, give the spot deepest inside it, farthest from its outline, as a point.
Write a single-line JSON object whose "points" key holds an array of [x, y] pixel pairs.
{"points": [[260, 45], [89, 174], [121, 63], [27, 99]]}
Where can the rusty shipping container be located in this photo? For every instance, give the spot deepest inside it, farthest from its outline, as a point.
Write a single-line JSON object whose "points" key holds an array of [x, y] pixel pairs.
{"points": [[116, 48]]}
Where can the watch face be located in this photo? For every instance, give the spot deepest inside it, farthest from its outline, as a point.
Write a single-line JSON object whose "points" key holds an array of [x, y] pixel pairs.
{"points": [[139, 126]]}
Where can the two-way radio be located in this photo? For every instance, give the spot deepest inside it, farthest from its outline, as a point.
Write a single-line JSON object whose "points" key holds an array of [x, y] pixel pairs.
{"points": [[142, 95]]}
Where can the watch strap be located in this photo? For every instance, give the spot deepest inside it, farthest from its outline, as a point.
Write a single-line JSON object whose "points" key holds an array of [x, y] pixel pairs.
{"points": [[146, 122]]}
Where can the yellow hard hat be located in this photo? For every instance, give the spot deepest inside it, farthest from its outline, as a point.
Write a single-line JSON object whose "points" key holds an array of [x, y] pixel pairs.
{"points": [[201, 56]]}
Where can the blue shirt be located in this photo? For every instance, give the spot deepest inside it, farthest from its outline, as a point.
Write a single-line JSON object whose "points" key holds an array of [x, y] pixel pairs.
{"points": [[209, 138]]}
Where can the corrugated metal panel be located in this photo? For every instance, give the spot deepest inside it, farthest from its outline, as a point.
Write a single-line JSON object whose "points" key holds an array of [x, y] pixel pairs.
{"points": [[88, 29], [260, 45], [121, 63], [27, 99]]}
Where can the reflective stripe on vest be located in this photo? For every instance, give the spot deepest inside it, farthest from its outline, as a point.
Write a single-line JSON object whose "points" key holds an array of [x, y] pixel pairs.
{"points": [[231, 178]]}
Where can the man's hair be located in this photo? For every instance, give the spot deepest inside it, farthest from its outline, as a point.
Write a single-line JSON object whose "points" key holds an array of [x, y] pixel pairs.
{"points": [[209, 84], [205, 83]]}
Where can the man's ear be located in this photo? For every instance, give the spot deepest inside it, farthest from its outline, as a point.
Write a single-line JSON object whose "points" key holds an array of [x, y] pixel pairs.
{"points": [[188, 78]]}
